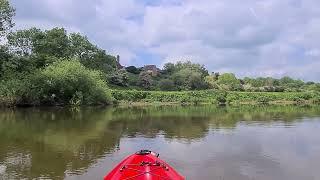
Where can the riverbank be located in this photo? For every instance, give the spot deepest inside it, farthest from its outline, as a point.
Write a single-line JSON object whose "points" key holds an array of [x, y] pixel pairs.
{"points": [[203, 97], [213, 97]]}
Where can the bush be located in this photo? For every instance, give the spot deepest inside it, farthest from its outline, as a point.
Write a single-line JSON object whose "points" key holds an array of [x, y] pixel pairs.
{"points": [[10, 92], [133, 70], [69, 83], [263, 99], [184, 97], [129, 95], [167, 85]]}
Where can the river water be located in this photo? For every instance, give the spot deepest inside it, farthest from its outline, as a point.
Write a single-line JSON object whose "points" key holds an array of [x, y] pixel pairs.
{"points": [[201, 142]]}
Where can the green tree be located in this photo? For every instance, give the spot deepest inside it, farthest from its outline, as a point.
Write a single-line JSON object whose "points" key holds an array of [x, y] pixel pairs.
{"points": [[228, 81], [167, 85], [133, 70], [90, 55], [145, 80], [6, 14], [188, 79], [55, 43], [171, 68], [68, 82], [196, 81], [45, 46], [81, 47], [211, 80], [4, 55], [24, 42], [119, 78]]}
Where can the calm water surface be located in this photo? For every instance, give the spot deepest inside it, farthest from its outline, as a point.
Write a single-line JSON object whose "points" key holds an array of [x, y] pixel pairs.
{"points": [[201, 142]]}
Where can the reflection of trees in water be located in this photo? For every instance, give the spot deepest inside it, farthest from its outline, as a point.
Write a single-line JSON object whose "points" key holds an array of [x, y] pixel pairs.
{"points": [[49, 142], [195, 121], [55, 140], [151, 121]]}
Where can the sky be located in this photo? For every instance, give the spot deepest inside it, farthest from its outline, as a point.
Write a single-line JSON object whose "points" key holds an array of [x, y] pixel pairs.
{"points": [[248, 37]]}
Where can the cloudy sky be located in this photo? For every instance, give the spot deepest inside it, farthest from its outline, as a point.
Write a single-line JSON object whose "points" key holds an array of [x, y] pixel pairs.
{"points": [[247, 37]]}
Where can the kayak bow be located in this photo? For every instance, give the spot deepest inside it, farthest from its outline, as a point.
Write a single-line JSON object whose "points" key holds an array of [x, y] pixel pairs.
{"points": [[143, 165]]}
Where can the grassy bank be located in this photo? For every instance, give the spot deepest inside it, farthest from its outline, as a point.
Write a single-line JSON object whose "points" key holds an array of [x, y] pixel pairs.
{"points": [[214, 97], [165, 97]]}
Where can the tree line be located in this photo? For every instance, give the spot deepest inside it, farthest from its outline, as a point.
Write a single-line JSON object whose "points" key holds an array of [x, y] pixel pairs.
{"points": [[183, 76], [55, 67]]}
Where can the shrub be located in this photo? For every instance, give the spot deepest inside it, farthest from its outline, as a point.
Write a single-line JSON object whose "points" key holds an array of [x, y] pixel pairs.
{"points": [[263, 99], [69, 82], [184, 97], [167, 85], [10, 92]]}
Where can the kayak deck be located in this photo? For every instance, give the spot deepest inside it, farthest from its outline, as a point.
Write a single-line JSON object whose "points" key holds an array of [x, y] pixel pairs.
{"points": [[143, 165]]}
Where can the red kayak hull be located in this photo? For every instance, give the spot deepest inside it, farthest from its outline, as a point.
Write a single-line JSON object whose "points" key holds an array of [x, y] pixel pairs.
{"points": [[144, 165]]}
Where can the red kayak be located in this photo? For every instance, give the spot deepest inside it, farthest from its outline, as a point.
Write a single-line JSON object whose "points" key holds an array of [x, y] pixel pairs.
{"points": [[143, 165]]}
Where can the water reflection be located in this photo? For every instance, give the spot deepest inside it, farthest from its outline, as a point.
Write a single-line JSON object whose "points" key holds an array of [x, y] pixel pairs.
{"points": [[200, 141]]}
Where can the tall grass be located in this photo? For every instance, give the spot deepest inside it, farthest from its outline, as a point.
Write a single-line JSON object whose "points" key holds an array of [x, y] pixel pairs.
{"points": [[217, 97]]}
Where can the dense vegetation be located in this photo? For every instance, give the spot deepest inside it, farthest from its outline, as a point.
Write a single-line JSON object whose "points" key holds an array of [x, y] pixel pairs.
{"points": [[216, 97], [53, 67]]}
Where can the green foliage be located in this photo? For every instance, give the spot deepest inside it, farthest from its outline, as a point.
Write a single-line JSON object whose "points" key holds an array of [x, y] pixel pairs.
{"points": [[167, 85], [211, 80], [145, 80], [25, 42], [228, 81], [69, 83], [11, 91], [54, 43], [263, 100], [119, 78], [90, 55], [42, 46], [15, 65], [6, 14], [263, 97], [129, 95], [316, 99], [313, 87], [171, 68], [133, 70], [187, 79], [35, 68], [193, 97], [133, 79]]}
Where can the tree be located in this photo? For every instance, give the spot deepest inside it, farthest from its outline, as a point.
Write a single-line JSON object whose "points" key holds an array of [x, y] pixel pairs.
{"points": [[169, 68], [55, 43], [24, 42], [188, 79], [314, 87], [6, 14], [145, 80], [211, 81], [228, 81], [4, 54], [196, 81], [69, 82], [45, 46], [133, 70], [166, 85], [80, 46], [90, 55], [119, 77]]}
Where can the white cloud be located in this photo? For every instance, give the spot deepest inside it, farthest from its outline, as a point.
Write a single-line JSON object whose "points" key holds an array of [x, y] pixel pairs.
{"points": [[250, 38]]}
